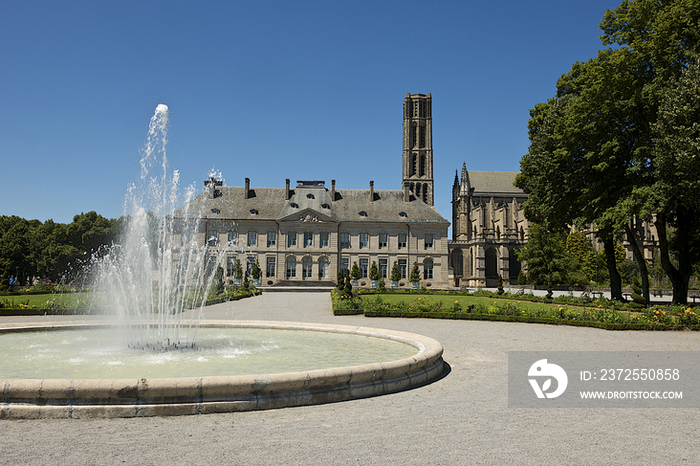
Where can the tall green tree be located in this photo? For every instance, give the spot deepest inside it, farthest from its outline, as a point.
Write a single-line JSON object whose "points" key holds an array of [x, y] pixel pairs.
{"points": [[548, 262], [677, 183], [592, 153]]}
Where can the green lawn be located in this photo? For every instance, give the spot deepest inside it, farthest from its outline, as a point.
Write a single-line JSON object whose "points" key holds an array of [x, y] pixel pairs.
{"points": [[46, 301]]}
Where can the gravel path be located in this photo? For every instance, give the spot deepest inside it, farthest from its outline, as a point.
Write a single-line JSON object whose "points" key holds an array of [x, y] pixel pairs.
{"points": [[461, 419]]}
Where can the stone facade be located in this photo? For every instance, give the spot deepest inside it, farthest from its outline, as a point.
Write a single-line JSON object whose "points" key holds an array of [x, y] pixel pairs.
{"points": [[488, 225]]}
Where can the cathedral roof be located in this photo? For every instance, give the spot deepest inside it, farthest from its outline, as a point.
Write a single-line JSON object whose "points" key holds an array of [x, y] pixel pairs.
{"points": [[494, 183]]}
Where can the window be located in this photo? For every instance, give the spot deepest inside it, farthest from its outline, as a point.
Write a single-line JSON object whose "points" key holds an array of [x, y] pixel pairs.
{"points": [[324, 239], [323, 268], [428, 269], [184, 238], [383, 264], [422, 136], [364, 265], [291, 268], [364, 240], [383, 241], [402, 267], [308, 239], [271, 239], [307, 268], [210, 266], [402, 241], [428, 241], [292, 239], [232, 236], [344, 263], [252, 238], [230, 264], [345, 241], [213, 238], [270, 270]]}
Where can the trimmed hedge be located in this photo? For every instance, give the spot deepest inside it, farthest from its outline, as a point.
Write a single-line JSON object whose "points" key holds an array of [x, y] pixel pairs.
{"points": [[531, 320], [664, 318]]}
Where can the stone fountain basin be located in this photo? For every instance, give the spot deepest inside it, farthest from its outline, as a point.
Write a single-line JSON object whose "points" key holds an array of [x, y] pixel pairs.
{"points": [[105, 398]]}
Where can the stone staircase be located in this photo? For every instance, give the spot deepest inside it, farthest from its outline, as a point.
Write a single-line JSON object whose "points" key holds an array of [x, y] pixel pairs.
{"points": [[303, 286]]}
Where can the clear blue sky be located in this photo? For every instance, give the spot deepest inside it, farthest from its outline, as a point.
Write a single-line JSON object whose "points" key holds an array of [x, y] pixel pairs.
{"points": [[269, 90]]}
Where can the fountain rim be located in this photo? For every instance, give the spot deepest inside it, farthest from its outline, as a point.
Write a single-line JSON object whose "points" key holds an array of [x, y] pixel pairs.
{"points": [[91, 398]]}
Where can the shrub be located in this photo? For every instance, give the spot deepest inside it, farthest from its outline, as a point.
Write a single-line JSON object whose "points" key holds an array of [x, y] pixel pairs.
{"points": [[415, 273], [374, 271], [395, 274], [355, 273]]}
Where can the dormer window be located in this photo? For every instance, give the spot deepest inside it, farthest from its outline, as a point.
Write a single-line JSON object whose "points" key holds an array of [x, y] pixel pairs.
{"points": [[403, 214], [254, 211], [363, 214], [325, 206], [310, 196], [294, 205], [215, 211]]}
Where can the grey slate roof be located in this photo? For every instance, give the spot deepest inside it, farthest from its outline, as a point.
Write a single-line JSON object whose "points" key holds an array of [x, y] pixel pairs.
{"points": [[270, 204], [494, 182]]}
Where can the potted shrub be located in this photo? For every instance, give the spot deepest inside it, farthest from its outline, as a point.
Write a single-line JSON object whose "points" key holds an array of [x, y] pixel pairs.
{"points": [[395, 276], [374, 274], [256, 272], [414, 278], [237, 273], [355, 274]]}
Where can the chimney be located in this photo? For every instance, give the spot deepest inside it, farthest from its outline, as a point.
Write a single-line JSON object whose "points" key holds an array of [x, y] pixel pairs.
{"points": [[406, 193], [332, 190], [371, 191], [247, 188], [286, 191]]}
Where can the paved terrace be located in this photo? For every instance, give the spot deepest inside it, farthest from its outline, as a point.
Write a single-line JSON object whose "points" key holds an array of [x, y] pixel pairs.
{"points": [[460, 419]]}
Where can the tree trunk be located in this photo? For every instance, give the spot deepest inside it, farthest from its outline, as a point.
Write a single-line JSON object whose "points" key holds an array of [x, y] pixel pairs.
{"points": [[680, 277], [615, 279], [641, 262]]}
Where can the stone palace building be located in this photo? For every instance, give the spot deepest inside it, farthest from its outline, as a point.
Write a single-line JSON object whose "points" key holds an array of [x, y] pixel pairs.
{"points": [[305, 233]]}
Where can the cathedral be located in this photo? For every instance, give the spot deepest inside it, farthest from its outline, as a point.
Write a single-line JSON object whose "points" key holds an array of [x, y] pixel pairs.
{"points": [[488, 225]]}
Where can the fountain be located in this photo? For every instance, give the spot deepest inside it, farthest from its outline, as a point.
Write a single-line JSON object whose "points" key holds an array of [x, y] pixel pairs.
{"points": [[157, 291]]}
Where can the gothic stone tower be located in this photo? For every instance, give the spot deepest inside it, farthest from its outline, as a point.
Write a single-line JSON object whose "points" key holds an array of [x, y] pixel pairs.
{"points": [[418, 146]]}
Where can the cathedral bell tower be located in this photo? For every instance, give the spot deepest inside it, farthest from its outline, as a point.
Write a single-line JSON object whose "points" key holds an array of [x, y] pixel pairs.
{"points": [[418, 146]]}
